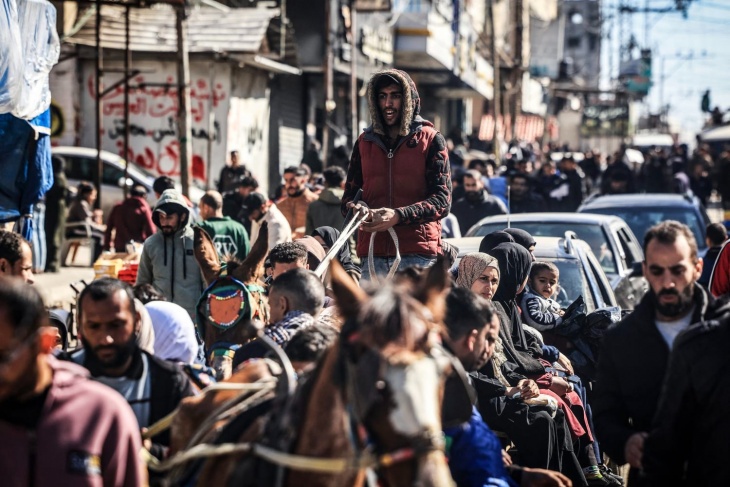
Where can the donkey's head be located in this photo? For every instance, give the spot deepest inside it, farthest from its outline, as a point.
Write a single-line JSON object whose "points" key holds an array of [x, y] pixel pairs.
{"points": [[233, 307], [395, 374]]}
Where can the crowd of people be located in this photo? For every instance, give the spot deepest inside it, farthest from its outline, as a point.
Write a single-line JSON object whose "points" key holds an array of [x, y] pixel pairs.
{"points": [[78, 413]]}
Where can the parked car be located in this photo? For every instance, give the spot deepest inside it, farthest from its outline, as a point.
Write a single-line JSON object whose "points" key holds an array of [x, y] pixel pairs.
{"points": [[641, 211], [580, 272], [80, 165], [610, 239]]}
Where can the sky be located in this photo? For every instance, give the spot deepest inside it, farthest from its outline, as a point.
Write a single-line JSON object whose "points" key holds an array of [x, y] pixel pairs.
{"points": [[695, 53]]}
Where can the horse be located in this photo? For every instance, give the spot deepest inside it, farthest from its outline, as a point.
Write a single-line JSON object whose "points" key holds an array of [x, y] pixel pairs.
{"points": [[233, 306], [380, 384]]}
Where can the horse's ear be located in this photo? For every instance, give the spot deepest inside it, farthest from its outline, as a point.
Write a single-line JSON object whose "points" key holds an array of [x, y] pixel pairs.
{"points": [[206, 254], [433, 287], [252, 268], [348, 294]]}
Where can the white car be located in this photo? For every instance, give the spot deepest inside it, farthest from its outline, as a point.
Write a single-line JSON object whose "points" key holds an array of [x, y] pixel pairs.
{"points": [[80, 165]]}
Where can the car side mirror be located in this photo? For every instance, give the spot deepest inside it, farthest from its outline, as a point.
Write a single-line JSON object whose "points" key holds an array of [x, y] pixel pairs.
{"points": [[637, 269]]}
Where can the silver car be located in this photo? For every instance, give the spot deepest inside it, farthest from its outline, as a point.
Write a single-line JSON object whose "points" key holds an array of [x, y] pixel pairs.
{"points": [[80, 165]]}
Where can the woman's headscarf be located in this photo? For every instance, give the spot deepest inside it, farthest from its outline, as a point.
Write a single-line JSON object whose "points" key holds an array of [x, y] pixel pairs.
{"points": [[471, 267], [514, 267], [521, 237], [493, 239], [330, 236]]}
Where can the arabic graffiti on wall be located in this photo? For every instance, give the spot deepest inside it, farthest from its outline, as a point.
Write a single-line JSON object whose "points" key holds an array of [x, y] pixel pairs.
{"points": [[154, 140]]}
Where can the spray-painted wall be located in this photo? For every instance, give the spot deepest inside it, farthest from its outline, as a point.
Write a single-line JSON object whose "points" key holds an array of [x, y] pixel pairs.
{"points": [[153, 142]]}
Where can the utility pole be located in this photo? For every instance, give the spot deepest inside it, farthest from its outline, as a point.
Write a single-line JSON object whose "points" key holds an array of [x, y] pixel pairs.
{"points": [[497, 101], [127, 62], [329, 61], [353, 74], [99, 104], [516, 98], [183, 99]]}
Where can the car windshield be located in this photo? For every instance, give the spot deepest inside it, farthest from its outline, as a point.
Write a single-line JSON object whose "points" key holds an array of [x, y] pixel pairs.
{"points": [[641, 218], [593, 234], [573, 283]]}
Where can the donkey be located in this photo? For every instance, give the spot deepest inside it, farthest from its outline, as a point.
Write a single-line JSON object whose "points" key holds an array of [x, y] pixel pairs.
{"points": [[383, 380], [233, 307]]}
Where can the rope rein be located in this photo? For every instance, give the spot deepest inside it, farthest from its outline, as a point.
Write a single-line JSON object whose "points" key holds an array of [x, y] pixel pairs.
{"points": [[287, 460], [371, 265]]}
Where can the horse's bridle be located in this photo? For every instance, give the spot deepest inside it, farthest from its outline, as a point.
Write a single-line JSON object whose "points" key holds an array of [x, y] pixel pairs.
{"points": [[359, 408]]}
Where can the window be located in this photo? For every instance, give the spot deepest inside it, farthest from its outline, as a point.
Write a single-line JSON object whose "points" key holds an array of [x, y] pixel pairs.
{"points": [[80, 168], [574, 42], [111, 175]]}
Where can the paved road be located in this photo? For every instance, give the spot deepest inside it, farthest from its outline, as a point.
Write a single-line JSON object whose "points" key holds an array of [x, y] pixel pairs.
{"points": [[55, 287]]}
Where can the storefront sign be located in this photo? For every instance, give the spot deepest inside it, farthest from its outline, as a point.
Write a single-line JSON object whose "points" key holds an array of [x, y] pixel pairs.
{"points": [[377, 43]]}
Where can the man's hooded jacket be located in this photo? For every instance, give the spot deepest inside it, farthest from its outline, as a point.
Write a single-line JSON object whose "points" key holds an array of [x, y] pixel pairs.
{"points": [[413, 178], [168, 262]]}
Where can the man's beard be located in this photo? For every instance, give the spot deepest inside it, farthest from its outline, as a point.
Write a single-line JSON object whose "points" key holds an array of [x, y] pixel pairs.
{"points": [[123, 352], [473, 196], [684, 303], [294, 192], [168, 230]]}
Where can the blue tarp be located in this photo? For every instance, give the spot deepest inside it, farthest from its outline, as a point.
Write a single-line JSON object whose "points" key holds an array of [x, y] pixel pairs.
{"points": [[25, 165]]}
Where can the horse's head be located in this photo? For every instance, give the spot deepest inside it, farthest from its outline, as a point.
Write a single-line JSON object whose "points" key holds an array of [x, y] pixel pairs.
{"points": [[233, 307], [395, 375]]}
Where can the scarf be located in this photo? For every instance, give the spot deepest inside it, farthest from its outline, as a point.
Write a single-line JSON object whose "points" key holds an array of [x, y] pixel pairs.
{"points": [[330, 236], [514, 268], [493, 239], [293, 322], [472, 266], [521, 237]]}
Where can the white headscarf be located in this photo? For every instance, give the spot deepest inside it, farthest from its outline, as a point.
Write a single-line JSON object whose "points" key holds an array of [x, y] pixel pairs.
{"points": [[174, 332], [146, 334]]}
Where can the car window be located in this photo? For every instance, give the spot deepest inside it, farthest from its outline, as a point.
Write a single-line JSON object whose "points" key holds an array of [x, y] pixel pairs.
{"points": [[641, 218], [603, 285], [80, 168], [593, 234], [111, 175], [573, 283], [632, 251]]}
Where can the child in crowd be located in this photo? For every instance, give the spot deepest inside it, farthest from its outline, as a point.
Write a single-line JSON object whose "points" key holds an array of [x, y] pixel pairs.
{"points": [[538, 308]]}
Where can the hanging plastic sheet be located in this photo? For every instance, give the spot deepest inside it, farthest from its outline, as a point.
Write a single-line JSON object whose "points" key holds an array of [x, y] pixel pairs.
{"points": [[29, 48]]}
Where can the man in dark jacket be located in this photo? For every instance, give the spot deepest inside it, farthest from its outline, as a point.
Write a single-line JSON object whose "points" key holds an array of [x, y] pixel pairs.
{"points": [[325, 212], [523, 199], [401, 163], [476, 202], [634, 354], [109, 322], [689, 438], [715, 238], [129, 220], [577, 188]]}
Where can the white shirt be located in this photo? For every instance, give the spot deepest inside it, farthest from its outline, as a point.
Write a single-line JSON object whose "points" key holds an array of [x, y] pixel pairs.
{"points": [[670, 329]]}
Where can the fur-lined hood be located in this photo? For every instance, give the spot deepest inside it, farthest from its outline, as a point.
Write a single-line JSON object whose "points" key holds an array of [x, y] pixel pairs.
{"points": [[411, 102]]}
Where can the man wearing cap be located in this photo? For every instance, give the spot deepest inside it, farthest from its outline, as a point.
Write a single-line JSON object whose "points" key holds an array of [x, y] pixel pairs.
{"points": [[130, 219], [260, 210], [401, 164], [167, 260]]}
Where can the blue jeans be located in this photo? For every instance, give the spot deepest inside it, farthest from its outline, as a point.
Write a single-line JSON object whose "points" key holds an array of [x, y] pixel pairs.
{"points": [[383, 264]]}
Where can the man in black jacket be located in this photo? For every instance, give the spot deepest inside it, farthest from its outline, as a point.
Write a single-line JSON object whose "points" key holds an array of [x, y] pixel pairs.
{"points": [[476, 202], [109, 322], [634, 354], [689, 438]]}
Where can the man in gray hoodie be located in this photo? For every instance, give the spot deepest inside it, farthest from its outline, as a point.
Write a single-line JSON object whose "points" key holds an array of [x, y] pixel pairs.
{"points": [[167, 260]]}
